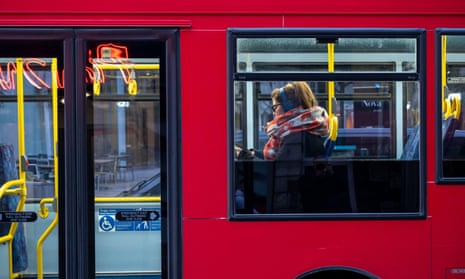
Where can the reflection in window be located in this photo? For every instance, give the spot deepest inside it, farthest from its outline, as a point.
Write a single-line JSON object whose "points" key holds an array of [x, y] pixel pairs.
{"points": [[126, 123]]}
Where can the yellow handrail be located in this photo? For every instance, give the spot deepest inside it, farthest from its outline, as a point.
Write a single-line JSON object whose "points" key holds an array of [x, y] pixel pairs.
{"points": [[127, 66], [5, 189], [330, 83], [53, 224], [127, 199], [333, 122], [451, 104], [21, 154], [457, 105], [445, 104], [132, 83]]}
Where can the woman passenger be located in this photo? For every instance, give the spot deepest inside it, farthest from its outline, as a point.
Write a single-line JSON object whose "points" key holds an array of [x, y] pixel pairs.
{"points": [[298, 126], [295, 134]]}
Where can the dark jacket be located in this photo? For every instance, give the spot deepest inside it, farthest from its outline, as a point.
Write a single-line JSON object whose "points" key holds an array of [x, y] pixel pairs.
{"points": [[295, 149]]}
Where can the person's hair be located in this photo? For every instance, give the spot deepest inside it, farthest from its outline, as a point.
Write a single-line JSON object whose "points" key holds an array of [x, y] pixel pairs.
{"points": [[296, 94]]}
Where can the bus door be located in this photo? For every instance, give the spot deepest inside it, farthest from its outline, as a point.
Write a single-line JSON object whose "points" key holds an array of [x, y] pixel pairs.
{"points": [[87, 120], [130, 111], [124, 87]]}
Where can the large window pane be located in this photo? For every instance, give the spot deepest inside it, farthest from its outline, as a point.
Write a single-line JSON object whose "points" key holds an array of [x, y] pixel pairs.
{"points": [[371, 159], [369, 137], [453, 90]]}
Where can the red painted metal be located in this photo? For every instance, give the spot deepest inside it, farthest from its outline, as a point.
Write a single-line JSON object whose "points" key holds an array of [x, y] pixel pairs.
{"points": [[215, 247]]}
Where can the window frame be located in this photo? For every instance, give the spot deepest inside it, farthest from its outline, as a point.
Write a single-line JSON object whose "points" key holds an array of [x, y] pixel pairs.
{"points": [[235, 76], [441, 179]]}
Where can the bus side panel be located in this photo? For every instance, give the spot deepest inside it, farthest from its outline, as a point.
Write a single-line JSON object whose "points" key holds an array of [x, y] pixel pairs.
{"points": [[448, 231], [212, 6], [222, 249], [203, 87], [221, 22]]}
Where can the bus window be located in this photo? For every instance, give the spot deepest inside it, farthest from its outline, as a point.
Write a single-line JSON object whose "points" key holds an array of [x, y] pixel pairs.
{"points": [[452, 90], [370, 90]]}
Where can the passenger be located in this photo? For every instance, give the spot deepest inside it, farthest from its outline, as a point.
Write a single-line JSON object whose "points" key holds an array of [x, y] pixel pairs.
{"points": [[298, 126], [296, 132]]}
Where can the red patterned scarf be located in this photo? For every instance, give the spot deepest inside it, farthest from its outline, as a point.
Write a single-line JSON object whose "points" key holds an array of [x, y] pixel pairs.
{"points": [[313, 120]]}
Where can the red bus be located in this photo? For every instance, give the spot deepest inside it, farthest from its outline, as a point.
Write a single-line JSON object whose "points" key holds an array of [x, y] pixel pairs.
{"points": [[127, 131]]}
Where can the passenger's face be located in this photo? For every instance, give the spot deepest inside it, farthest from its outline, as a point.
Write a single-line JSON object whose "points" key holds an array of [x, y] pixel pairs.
{"points": [[277, 108]]}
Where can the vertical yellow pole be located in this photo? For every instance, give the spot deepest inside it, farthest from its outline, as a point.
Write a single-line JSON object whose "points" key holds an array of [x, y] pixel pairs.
{"points": [[21, 155], [444, 74], [40, 271], [330, 83], [55, 124], [20, 95]]}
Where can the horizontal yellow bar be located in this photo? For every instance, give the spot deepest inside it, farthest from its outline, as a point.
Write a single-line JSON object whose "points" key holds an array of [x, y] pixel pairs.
{"points": [[127, 199], [127, 66]]}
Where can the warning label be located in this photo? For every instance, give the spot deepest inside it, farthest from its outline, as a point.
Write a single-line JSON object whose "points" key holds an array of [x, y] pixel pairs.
{"points": [[137, 215], [21, 216], [132, 219]]}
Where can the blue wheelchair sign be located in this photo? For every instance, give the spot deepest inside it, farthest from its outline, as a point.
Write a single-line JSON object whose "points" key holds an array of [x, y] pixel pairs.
{"points": [[107, 223]]}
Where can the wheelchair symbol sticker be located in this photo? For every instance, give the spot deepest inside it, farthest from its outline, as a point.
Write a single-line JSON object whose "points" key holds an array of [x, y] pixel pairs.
{"points": [[107, 223]]}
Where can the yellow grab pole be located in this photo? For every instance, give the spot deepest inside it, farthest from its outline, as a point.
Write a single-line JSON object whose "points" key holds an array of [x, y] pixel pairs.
{"points": [[40, 272], [330, 83], [21, 182], [445, 104]]}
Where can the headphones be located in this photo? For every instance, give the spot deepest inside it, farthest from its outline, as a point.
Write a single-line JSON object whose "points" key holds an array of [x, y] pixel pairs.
{"points": [[285, 102]]}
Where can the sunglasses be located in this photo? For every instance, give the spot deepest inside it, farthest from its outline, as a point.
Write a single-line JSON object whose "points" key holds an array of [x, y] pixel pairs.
{"points": [[275, 107]]}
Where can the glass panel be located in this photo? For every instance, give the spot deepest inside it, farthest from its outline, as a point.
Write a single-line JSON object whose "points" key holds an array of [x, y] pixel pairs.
{"points": [[124, 82], [311, 55], [384, 55], [27, 142], [453, 126], [253, 52], [373, 165]]}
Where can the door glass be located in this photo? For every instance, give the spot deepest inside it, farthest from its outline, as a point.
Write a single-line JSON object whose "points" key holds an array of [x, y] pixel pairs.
{"points": [[29, 88], [123, 84]]}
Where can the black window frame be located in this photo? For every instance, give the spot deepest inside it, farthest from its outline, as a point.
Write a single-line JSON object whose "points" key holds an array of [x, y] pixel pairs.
{"points": [[233, 76], [441, 179]]}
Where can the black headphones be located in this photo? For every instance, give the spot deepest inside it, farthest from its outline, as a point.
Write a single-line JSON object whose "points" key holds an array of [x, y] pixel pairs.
{"points": [[285, 102]]}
